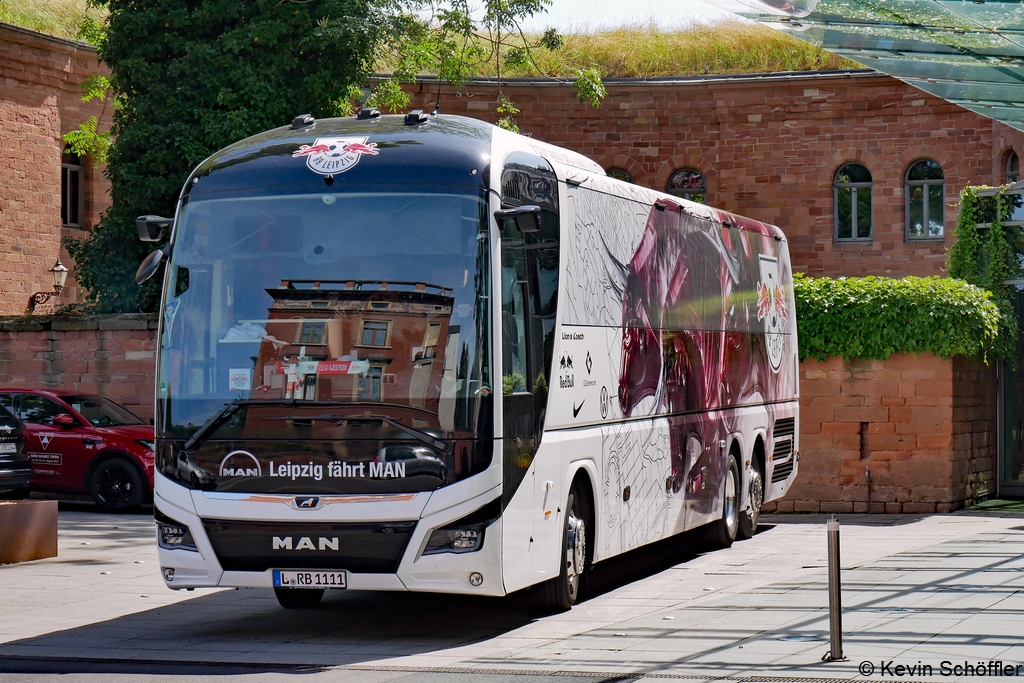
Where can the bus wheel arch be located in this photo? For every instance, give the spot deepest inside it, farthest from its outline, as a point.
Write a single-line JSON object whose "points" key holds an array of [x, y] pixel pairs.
{"points": [[575, 550], [583, 481], [755, 491]]}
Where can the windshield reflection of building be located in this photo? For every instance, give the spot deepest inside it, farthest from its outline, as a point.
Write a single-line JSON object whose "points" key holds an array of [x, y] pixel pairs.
{"points": [[359, 340]]}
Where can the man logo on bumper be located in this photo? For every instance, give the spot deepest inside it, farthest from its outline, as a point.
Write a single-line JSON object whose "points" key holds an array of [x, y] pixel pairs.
{"points": [[305, 543], [306, 503]]}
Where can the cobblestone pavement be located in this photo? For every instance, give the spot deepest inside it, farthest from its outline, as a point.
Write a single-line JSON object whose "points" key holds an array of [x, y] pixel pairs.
{"points": [[917, 591]]}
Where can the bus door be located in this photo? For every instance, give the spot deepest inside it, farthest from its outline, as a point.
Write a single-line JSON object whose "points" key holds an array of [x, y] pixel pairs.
{"points": [[529, 295]]}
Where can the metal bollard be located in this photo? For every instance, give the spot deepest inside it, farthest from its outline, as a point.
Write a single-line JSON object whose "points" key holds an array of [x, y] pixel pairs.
{"points": [[835, 607]]}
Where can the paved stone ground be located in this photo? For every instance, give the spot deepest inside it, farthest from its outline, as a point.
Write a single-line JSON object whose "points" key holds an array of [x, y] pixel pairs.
{"points": [[917, 589]]}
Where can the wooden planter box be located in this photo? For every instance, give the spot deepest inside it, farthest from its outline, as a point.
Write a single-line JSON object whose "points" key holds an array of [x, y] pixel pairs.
{"points": [[28, 530]]}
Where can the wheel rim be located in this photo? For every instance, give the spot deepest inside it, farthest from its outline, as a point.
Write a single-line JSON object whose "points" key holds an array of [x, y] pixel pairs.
{"points": [[731, 518], [113, 486], [575, 552], [756, 496]]}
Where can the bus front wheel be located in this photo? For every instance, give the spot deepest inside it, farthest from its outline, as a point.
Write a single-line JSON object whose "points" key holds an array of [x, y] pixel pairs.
{"points": [[299, 598], [562, 592]]}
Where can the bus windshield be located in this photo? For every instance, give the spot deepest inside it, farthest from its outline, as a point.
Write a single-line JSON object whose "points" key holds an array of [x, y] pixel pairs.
{"points": [[285, 315]]}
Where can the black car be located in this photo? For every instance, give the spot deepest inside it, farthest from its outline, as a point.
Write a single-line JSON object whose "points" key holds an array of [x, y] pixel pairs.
{"points": [[15, 466]]}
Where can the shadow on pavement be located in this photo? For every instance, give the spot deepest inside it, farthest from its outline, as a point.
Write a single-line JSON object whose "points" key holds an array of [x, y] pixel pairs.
{"points": [[248, 629]]}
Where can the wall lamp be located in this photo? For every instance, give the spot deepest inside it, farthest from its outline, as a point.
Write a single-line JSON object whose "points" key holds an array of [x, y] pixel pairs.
{"points": [[59, 272]]}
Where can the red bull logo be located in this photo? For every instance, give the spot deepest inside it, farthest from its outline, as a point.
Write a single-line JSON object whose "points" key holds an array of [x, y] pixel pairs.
{"points": [[328, 156], [772, 310]]}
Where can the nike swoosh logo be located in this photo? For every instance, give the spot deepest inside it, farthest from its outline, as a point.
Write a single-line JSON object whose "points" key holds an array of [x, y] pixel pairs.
{"points": [[576, 409]]}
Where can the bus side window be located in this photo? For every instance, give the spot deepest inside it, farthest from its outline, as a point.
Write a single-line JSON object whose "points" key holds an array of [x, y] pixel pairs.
{"points": [[514, 339]]}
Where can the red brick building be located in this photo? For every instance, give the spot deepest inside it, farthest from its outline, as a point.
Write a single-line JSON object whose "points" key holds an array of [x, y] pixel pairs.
{"points": [[770, 147], [45, 194]]}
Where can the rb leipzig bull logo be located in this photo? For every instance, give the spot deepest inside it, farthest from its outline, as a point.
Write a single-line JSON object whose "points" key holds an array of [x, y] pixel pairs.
{"points": [[328, 156], [771, 310]]}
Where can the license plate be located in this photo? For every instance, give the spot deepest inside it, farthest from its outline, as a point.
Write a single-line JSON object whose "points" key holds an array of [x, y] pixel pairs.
{"points": [[309, 579], [8, 448]]}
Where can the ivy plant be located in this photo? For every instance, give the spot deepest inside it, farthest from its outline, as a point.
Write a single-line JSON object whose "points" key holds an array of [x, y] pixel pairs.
{"points": [[875, 317], [193, 77]]}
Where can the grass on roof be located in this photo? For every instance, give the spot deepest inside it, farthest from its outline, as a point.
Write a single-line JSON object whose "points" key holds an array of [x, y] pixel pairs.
{"points": [[725, 47], [60, 18]]}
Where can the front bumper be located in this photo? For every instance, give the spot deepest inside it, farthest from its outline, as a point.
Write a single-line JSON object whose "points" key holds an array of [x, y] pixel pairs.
{"points": [[216, 564], [14, 477]]}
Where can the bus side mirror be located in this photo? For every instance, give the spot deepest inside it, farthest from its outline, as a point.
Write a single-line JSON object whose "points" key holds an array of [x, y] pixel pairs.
{"points": [[149, 267], [526, 217], [151, 228]]}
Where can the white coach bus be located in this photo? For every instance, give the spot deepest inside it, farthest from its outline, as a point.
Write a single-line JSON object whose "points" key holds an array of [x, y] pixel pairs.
{"points": [[422, 353]]}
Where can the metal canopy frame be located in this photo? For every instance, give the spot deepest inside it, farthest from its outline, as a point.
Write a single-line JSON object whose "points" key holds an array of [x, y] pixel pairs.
{"points": [[968, 52]]}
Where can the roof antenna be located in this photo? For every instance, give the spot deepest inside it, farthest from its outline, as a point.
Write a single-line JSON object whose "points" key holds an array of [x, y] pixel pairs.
{"points": [[437, 105]]}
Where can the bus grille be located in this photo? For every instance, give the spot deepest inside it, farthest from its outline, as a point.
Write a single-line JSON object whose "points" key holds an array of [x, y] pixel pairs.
{"points": [[785, 426], [782, 471], [783, 451], [361, 547]]}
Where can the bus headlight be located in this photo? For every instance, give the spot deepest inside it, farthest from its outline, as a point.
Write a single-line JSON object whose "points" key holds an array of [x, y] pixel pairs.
{"points": [[172, 535], [454, 541], [464, 535]]}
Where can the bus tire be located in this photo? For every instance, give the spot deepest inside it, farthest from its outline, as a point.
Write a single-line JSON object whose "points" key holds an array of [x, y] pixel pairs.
{"points": [[722, 532], [562, 592], [755, 493], [299, 598]]}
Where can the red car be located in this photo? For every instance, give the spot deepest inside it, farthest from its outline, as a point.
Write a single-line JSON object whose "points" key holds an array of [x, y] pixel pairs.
{"points": [[80, 443]]}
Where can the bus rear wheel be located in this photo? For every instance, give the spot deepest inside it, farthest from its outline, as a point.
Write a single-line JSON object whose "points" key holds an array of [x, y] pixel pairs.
{"points": [[299, 598], [722, 532], [562, 592], [749, 517]]}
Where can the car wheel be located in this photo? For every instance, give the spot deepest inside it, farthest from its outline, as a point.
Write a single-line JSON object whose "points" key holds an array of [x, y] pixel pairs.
{"points": [[562, 592], [299, 598], [116, 485], [722, 532], [749, 517]]}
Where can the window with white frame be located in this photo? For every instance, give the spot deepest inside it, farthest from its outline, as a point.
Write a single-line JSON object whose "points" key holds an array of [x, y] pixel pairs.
{"points": [[71, 194], [925, 200], [852, 194]]}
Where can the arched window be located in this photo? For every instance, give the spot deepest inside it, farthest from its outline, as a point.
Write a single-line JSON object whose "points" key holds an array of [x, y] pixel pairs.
{"points": [[71, 190], [689, 184], [853, 203], [1013, 168], [925, 201], [620, 174]]}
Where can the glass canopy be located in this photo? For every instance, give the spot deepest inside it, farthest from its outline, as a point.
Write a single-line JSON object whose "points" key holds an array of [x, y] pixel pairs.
{"points": [[968, 52]]}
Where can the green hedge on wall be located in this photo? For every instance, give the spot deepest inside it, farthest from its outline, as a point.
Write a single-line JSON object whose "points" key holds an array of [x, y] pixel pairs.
{"points": [[874, 317]]}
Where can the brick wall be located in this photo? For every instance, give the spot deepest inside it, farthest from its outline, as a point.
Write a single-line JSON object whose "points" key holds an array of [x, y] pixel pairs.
{"points": [[769, 148], [113, 356], [40, 100], [925, 428], [923, 425]]}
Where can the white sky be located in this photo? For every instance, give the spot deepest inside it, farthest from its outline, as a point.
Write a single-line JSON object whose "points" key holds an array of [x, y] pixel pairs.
{"points": [[591, 15]]}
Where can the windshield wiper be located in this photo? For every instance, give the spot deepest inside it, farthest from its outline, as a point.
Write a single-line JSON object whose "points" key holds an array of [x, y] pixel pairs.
{"points": [[229, 410], [202, 434], [439, 445]]}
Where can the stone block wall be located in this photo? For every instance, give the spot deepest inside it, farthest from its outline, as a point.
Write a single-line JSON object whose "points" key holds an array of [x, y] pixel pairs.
{"points": [[923, 426], [40, 100], [113, 356]]}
